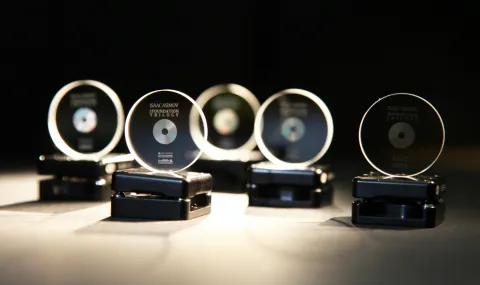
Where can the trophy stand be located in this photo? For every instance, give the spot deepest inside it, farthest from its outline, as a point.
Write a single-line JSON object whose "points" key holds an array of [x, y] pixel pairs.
{"points": [[303, 187], [286, 126], [410, 138], [230, 109], [82, 180], [87, 180], [157, 135], [398, 201], [229, 173], [142, 194], [85, 122]]}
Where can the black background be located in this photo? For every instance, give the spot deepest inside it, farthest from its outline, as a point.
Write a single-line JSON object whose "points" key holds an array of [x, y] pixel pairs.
{"points": [[349, 53]]}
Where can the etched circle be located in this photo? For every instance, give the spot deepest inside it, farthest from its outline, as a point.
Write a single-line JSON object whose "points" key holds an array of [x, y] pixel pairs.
{"points": [[401, 135], [293, 108], [158, 132], [165, 131], [293, 129], [226, 121], [85, 120]]}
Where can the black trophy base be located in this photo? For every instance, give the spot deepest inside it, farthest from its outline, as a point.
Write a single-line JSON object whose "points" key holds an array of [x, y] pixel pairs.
{"points": [[147, 195], [289, 197], [75, 189], [267, 173], [152, 207], [397, 214], [399, 201], [230, 173], [62, 165]]}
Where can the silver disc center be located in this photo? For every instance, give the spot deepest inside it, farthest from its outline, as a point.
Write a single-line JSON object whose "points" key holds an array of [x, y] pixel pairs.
{"points": [[84, 120], [164, 131], [293, 129], [226, 121], [401, 135]]}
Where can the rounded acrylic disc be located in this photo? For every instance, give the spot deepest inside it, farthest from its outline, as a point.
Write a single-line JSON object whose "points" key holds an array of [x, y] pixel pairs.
{"points": [[86, 119], [293, 128], [401, 135], [231, 110], [158, 132]]}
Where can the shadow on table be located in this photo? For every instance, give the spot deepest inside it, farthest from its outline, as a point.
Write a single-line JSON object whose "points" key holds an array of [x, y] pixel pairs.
{"points": [[125, 230], [301, 215], [50, 207], [339, 206], [343, 222], [138, 227], [346, 222]]}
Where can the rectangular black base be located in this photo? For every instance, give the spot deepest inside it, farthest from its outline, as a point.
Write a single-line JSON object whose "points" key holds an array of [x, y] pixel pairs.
{"points": [[152, 207], [290, 197], [266, 173], [143, 194], [397, 214], [183, 184], [62, 165], [421, 187], [399, 201], [75, 189], [229, 175]]}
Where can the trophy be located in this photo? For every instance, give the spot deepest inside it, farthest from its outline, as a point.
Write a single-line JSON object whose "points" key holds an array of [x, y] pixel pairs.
{"points": [[401, 136], [159, 136], [85, 122], [230, 146], [293, 130]]}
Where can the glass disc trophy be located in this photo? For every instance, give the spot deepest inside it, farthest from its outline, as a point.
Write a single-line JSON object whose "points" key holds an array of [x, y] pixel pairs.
{"points": [[401, 136], [85, 122], [293, 130], [159, 136], [231, 145]]}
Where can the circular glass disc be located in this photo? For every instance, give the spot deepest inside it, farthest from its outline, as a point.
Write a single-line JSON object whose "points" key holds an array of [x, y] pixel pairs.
{"points": [[231, 110], [86, 120], [293, 128], [158, 132], [401, 135]]}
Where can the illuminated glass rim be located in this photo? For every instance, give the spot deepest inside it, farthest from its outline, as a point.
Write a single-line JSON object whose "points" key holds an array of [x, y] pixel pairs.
{"points": [[258, 128], [53, 128], [203, 99], [397, 175], [131, 148]]}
